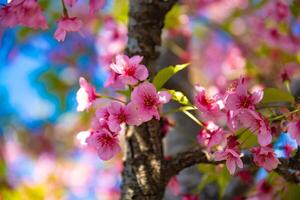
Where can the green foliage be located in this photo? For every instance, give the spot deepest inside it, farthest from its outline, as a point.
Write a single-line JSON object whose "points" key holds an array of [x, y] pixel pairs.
{"points": [[214, 174], [165, 74], [172, 18], [293, 192], [24, 193], [273, 95], [295, 8], [246, 138], [120, 11], [179, 97]]}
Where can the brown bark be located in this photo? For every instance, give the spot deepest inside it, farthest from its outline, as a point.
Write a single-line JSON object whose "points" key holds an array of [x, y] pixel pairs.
{"points": [[146, 172], [144, 165]]}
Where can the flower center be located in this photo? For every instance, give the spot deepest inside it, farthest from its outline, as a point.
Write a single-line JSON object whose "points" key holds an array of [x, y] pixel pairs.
{"points": [[121, 118], [149, 101], [129, 71], [104, 139], [245, 102]]}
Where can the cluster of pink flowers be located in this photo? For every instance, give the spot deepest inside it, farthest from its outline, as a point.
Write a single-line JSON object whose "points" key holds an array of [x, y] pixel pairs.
{"points": [[29, 13], [23, 12], [239, 107], [109, 120]]}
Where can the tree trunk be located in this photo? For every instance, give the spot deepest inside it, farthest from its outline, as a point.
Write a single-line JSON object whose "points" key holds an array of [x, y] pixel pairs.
{"points": [[144, 166]]}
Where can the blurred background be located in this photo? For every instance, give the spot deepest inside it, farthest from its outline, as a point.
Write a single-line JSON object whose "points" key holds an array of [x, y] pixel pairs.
{"points": [[222, 39]]}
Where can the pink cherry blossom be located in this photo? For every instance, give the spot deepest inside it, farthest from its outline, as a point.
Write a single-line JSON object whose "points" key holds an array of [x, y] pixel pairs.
{"points": [[294, 130], [86, 95], [231, 154], [112, 40], [147, 100], [258, 125], [264, 191], [70, 2], [209, 106], [174, 185], [120, 114], [113, 80], [100, 124], [105, 143], [95, 5], [239, 98], [211, 135], [23, 12], [129, 69], [102, 113], [265, 157], [67, 24]]}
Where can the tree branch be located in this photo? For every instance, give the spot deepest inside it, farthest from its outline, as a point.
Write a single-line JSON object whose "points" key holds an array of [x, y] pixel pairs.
{"points": [[287, 168]]}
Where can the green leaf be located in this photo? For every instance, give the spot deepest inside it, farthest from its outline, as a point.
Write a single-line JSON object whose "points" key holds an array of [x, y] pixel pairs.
{"points": [[223, 180], [165, 74], [218, 174], [179, 97], [172, 17], [246, 138], [120, 10], [293, 192], [273, 95]]}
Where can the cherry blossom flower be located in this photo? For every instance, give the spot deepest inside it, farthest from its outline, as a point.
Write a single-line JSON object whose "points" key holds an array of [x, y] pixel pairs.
{"points": [[239, 98], [258, 125], [102, 113], [209, 106], [231, 154], [95, 5], [23, 12], [113, 80], [70, 2], [105, 143], [129, 69], [287, 150], [86, 95], [67, 24], [122, 114], [111, 41], [147, 100], [264, 191], [294, 130], [100, 124], [174, 185], [265, 157], [245, 176], [211, 136]]}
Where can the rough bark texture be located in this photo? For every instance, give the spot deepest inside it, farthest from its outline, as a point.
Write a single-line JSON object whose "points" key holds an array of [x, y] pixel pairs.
{"points": [[144, 165], [146, 172]]}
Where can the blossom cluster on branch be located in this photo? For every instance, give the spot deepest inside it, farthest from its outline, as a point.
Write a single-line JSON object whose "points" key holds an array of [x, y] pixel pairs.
{"points": [[226, 117], [29, 13]]}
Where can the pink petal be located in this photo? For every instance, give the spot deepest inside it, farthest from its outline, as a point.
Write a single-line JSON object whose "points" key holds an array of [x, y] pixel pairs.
{"points": [[141, 73], [164, 97], [60, 34], [264, 139], [135, 60], [230, 163], [257, 96]]}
